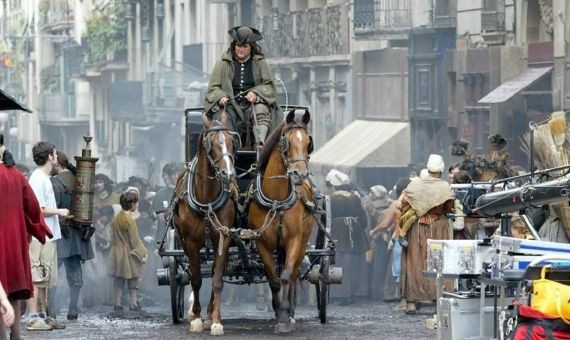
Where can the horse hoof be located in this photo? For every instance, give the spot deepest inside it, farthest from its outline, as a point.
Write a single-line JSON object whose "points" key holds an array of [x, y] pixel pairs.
{"points": [[196, 326], [292, 320], [217, 329], [284, 327], [208, 324]]}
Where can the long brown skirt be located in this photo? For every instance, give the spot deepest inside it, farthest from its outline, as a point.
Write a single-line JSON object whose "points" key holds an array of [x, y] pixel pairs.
{"points": [[413, 284]]}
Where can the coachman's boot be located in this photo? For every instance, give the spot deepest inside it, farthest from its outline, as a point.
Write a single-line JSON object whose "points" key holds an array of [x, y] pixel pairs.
{"points": [[260, 133]]}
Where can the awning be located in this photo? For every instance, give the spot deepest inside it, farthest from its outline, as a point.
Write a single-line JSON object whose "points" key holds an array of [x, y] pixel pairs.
{"points": [[365, 144], [9, 103], [513, 86]]}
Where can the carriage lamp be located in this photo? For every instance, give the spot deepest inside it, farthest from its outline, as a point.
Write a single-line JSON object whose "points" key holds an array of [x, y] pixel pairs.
{"points": [[83, 193]]}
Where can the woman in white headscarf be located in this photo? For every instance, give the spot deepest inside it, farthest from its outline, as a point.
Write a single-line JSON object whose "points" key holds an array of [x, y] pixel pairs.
{"points": [[430, 199], [349, 223]]}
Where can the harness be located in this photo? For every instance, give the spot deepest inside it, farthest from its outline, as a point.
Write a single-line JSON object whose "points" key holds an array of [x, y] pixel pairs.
{"points": [[269, 203], [279, 206], [204, 208], [208, 146]]}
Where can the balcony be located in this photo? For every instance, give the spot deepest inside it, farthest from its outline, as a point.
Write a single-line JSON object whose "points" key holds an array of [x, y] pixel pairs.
{"points": [[66, 108], [379, 15], [56, 16], [310, 33]]}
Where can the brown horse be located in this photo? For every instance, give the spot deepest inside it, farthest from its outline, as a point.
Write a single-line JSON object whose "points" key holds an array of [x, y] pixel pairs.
{"points": [[206, 195], [277, 212]]}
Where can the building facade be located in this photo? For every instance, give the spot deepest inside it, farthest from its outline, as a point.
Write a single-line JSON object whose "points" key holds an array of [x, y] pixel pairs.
{"points": [[307, 43], [121, 71], [124, 70]]}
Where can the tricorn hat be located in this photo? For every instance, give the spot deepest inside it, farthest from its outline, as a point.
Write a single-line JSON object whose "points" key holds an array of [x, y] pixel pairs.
{"points": [[244, 34]]}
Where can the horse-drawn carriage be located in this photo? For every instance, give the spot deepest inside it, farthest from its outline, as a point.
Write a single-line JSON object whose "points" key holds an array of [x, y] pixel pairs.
{"points": [[232, 230]]}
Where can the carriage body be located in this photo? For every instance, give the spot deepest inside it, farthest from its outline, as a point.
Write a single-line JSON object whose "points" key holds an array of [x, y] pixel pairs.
{"points": [[244, 267]]}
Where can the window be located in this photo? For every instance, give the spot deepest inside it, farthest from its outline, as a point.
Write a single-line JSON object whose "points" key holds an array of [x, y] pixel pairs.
{"points": [[493, 16]]}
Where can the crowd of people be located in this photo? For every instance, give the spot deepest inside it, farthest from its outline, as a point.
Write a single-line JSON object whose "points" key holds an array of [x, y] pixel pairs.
{"points": [[39, 238], [381, 238], [382, 235]]}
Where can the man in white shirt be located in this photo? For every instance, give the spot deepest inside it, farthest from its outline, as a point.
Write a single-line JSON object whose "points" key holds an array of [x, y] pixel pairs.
{"points": [[44, 257]]}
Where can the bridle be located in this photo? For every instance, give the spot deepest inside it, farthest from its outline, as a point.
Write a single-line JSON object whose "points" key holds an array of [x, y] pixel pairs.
{"points": [[207, 144], [285, 144]]}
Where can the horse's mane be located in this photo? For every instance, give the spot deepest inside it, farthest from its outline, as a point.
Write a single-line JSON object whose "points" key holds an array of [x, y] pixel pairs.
{"points": [[270, 143], [200, 142]]}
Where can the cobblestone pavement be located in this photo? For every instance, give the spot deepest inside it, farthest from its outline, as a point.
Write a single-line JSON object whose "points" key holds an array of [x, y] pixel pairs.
{"points": [[361, 321]]}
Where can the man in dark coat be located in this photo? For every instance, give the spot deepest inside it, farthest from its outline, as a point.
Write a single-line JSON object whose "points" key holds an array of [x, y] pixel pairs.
{"points": [[163, 197], [72, 249], [240, 79], [349, 222], [20, 216]]}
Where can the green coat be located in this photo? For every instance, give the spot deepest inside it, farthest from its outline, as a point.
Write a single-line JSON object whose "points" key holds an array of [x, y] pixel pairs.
{"points": [[221, 85]]}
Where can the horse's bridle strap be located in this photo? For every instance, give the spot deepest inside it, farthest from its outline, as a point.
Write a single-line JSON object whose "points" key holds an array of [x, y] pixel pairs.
{"points": [[202, 208]]}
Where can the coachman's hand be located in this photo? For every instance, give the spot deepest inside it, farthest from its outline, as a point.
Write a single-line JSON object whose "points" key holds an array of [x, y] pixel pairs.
{"points": [[251, 97], [223, 101]]}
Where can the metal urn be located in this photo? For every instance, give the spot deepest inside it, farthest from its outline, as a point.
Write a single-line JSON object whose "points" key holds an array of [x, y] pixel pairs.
{"points": [[83, 193]]}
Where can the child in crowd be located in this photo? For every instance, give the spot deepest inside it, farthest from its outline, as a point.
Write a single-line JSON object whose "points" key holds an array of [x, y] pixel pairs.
{"points": [[128, 253]]}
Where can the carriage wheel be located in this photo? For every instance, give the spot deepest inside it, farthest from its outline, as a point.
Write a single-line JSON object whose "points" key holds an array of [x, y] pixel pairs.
{"points": [[176, 294], [322, 286], [323, 289]]}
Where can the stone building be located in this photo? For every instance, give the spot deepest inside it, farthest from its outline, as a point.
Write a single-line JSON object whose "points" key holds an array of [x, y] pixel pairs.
{"points": [[511, 68], [307, 43], [121, 71]]}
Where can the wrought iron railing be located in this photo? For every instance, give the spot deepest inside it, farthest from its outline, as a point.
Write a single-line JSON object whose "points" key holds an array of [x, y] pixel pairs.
{"points": [[314, 32], [56, 13], [382, 15]]}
